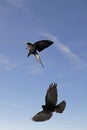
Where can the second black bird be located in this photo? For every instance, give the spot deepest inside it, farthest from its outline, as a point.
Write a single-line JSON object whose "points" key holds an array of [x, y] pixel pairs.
{"points": [[50, 105]]}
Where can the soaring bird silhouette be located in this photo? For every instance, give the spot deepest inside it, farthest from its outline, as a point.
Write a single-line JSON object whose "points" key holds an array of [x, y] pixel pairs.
{"points": [[38, 46], [50, 105]]}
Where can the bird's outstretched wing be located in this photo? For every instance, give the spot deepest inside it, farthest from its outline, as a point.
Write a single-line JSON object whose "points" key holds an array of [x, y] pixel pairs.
{"points": [[42, 44], [42, 116], [51, 95], [60, 107]]}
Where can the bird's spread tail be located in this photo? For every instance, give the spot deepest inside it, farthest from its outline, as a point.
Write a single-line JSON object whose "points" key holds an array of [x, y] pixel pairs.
{"points": [[38, 59], [60, 107]]}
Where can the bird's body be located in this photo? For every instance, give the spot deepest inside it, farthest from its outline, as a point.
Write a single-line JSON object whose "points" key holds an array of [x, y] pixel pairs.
{"points": [[38, 47], [50, 105]]}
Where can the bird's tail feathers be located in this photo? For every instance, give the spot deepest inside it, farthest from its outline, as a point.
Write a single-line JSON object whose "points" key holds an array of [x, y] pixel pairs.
{"points": [[39, 59], [28, 54], [60, 107]]}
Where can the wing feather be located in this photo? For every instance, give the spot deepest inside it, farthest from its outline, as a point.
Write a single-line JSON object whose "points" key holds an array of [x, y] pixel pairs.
{"points": [[42, 44], [42, 116], [51, 95], [60, 107]]}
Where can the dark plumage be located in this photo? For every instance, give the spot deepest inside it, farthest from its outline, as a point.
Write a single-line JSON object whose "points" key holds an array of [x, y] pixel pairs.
{"points": [[50, 105], [38, 46]]}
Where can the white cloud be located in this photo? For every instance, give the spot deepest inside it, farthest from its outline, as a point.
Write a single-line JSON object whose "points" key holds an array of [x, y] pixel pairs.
{"points": [[65, 50], [13, 105], [17, 3], [34, 70], [7, 63]]}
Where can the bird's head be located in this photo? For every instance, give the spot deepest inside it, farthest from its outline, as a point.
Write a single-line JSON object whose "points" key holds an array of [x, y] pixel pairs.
{"points": [[29, 46], [28, 43], [44, 107]]}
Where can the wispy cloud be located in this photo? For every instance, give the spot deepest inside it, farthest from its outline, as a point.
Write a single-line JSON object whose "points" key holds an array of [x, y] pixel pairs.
{"points": [[17, 3], [21, 4], [7, 63], [34, 70], [65, 50], [13, 105]]}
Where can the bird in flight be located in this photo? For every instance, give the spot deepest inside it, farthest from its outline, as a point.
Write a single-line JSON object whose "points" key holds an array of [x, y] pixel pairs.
{"points": [[50, 105], [38, 46]]}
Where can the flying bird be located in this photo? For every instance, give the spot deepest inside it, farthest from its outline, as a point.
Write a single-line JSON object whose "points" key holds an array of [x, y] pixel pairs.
{"points": [[50, 105], [38, 47]]}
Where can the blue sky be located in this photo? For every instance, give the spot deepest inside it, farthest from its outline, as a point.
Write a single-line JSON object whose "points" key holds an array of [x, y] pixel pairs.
{"points": [[23, 81]]}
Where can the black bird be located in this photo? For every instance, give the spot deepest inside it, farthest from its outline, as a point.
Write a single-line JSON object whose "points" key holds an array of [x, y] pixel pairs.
{"points": [[50, 105], [38, 46]]}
